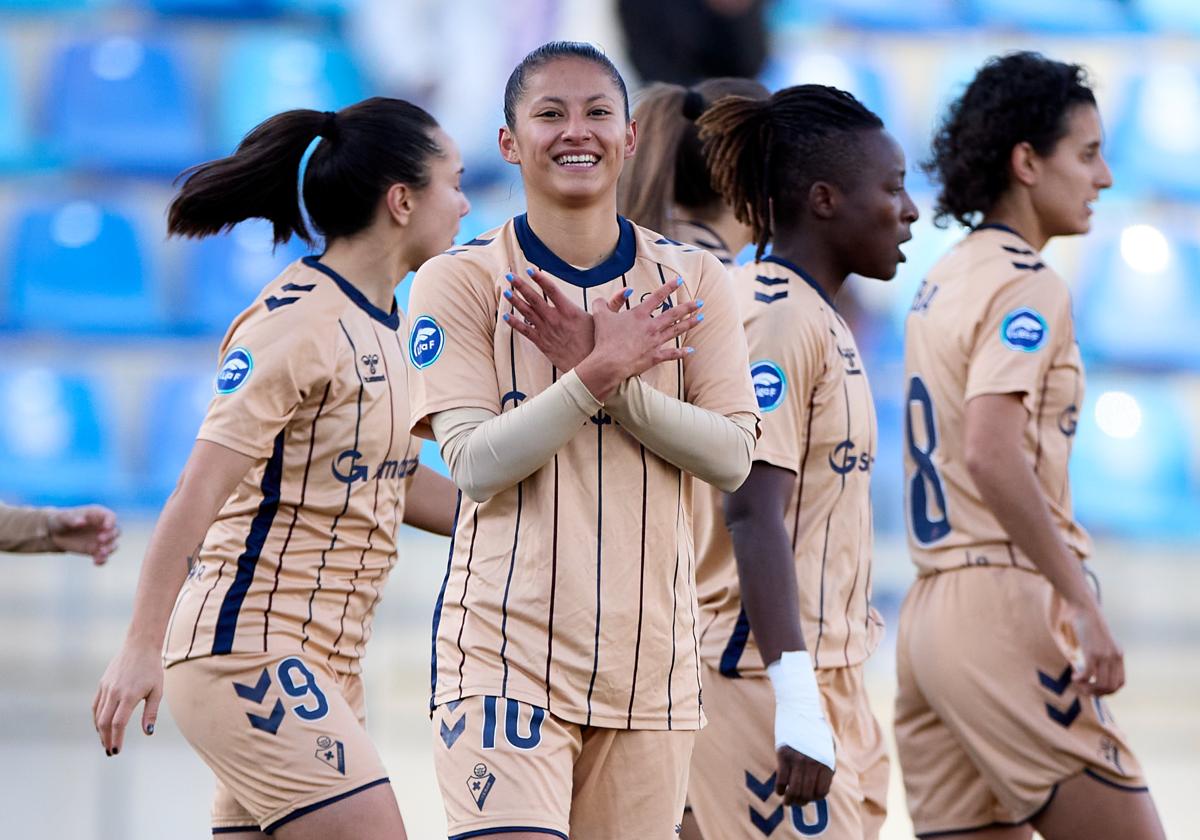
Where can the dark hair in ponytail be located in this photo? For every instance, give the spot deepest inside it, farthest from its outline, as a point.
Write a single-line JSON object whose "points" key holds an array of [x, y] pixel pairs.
{"points": [[515, 88], [669, 167], [365, 148], [765, 155]]}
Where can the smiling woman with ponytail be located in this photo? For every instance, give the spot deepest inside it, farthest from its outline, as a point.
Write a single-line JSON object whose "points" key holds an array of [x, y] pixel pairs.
{"points": [[279, 537]]}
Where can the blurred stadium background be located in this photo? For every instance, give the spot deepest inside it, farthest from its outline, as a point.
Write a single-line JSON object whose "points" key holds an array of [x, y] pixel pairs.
{"points": [[109, 332]]}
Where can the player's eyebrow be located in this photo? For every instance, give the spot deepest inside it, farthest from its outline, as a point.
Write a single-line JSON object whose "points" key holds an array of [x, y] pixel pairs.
{"points": [[558, 100]]}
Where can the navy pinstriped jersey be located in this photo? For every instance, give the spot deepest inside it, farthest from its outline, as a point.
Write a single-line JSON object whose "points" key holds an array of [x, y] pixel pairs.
{"points": [[818, 422], [312, 384], [573, 590]]}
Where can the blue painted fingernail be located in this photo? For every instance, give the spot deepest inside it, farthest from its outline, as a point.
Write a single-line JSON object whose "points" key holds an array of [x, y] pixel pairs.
{"points": [[508, 294], [699, 303], [691, 349], [505, 316], [529, 271], [509, 278], [700, 317], [627, 292], [678, 281]]}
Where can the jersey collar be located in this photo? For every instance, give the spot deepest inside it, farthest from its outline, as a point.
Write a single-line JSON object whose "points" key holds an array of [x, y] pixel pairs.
{"points": [[998, 226], [619, 262], [391, 320], [804, 275]]}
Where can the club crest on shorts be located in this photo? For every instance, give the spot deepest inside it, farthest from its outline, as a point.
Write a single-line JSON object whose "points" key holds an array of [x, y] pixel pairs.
{"points": [[331, 752], [480, 784], [769, 384], [1024, 329], [426, 342], [235, 370]]}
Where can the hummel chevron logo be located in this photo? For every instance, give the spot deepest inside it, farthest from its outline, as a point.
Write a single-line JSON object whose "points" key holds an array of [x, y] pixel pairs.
{"points": [[1059, 685], [274, 303], [450, 735], [268, 724], [766, 825], [760, 789], [762, 298], [771, 281], [256, 692], [296, 287], [1064, 718]]}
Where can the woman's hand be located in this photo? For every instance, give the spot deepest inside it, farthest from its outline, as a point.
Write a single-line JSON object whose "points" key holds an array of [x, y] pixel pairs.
{"points": [[135, 674], [561, 329], [629, 342]]}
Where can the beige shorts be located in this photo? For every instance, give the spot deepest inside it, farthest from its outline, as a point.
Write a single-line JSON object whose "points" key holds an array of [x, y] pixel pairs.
{"points": [[283, 734], [731, 789], [987, 723], [506, 766]]}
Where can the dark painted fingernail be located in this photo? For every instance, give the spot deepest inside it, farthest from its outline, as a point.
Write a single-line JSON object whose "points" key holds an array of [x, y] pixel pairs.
{"points": [[627, 292], [508, 294], [150, 729], [116, 750], [108, 753]]}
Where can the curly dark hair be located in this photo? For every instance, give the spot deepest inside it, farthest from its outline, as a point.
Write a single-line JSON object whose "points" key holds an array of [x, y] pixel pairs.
{"points": [[1021, 97]]}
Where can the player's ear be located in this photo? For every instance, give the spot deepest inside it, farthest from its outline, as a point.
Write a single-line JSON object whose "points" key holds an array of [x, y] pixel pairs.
{"points": [[630, 139], [399, 202], [1023, 163], [508, 145], [823, 199]]}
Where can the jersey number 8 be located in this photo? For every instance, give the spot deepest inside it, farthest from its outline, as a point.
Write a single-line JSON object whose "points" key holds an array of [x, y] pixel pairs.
{"points": [[925, 481]]}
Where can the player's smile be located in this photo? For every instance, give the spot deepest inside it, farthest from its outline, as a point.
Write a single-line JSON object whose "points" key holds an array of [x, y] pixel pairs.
{"points": [[577, 161]]}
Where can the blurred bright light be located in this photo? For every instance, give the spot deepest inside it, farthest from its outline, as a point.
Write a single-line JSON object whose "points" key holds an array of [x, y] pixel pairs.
{"points": [[1170, 108], [1118, 414], [76, 224], [1145, 249], [823, 68], [117, 59]]}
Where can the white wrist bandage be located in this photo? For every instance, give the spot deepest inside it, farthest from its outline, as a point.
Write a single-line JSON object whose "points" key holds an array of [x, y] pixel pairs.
{"points": [[799, 720]]}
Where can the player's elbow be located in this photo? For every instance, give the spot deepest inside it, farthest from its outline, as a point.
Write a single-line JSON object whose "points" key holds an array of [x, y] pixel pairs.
{"points": [[730, 471], [983, 459]]}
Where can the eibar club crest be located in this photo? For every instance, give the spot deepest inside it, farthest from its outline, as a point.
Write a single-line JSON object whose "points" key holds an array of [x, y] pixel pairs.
{"points": [[480, 784]]}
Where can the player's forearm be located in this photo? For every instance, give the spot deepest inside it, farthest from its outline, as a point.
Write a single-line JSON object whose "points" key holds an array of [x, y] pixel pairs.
{"points": [[487, 453], [714, 448], [25, 530], [1011, 491], [429, 502], [766, 575]]}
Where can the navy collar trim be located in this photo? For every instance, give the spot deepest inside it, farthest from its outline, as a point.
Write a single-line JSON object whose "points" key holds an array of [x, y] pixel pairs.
{"points": [[804, 275], [390, 320], [997, 226], [716, 236], [619, 262]]}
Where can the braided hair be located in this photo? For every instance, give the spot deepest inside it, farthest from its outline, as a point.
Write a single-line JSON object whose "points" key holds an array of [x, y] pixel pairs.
{"points": [[765, 155]]}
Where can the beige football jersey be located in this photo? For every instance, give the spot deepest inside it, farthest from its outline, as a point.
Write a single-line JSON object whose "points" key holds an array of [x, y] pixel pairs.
{"points": [[313, 384], [573, 590], [991, 318], [818, 421]]}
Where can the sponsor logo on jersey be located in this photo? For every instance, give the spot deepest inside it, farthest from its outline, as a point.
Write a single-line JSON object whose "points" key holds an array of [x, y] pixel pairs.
{"points": [[235, 370], [769, 384], [426, 343], [347, 468], [1024, 329]]}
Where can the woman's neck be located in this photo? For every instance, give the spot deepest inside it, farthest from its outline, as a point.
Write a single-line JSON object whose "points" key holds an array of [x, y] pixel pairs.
{"points": [[581, 236], [372, 267], [733, 234], [816, 261], [1015, 210]]}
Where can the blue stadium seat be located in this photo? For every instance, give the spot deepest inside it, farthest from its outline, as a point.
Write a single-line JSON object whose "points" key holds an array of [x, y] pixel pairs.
{"points": [[1050, 17], [911, 16], [78, 266], [226, 272], [122, 104], [51, 6], [1137, 304], [1155, 146], [1140, 441], [175, 407], [16, 148], [214, 8], [1177, 16], [56, 441], [264, 73]]}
